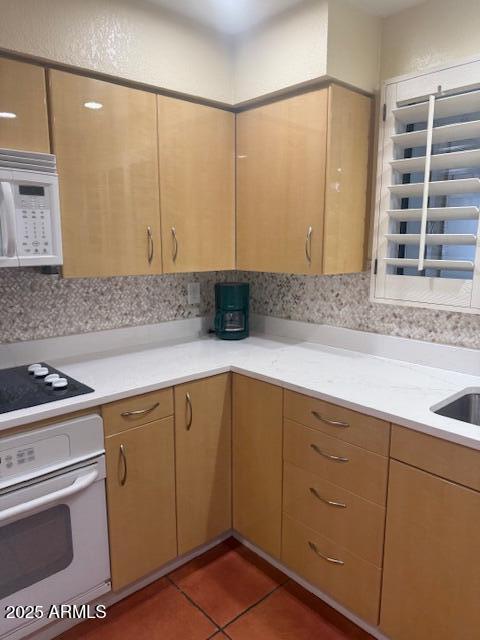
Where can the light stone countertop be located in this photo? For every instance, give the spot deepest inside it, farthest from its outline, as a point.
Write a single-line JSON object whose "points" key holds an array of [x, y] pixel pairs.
{"points": [[394, 390]]}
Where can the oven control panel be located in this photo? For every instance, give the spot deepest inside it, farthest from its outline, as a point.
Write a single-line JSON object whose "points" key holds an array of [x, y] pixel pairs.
{"points": [[23, 459]]}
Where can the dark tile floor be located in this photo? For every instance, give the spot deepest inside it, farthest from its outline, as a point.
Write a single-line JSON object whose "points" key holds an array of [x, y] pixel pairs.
{"points": [[229, 592]]}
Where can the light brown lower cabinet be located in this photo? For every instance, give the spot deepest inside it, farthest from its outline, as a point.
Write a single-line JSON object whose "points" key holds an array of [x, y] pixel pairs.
{"points": [[203, 460], [257, 462], [431, 582], [141, 500]]}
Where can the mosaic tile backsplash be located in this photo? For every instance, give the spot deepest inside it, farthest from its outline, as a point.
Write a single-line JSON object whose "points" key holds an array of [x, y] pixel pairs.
{"points": [[35, 306], [343, 301]]}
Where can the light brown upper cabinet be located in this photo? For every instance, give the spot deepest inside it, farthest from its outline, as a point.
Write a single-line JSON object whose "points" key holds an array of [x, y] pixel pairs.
{"points": [[302, 176], [104, 136], [197, 169], [23, 102], [203, 460]]}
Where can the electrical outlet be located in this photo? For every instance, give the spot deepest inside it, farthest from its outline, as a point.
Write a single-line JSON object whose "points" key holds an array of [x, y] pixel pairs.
{"points": [[193, 292]]}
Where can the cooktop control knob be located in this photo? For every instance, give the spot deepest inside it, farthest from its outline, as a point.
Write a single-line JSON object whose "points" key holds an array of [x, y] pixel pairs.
{"points": [[60, 383], [33, 367], [51, 377], [40, 372]]}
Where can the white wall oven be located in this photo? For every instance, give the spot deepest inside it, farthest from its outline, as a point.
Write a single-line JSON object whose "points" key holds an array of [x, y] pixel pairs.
{"points": [[53, 524]]}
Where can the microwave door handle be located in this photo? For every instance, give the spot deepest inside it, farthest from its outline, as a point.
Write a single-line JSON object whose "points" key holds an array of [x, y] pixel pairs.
{"points": [[7, 221], [80, 484]]}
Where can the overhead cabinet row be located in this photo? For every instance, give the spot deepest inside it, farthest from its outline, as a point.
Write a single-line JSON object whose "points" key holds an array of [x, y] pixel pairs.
{"points": [[147, 182]]}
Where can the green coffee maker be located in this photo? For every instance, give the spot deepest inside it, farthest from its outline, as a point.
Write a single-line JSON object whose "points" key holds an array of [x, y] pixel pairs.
{"points": [[231, 310]]}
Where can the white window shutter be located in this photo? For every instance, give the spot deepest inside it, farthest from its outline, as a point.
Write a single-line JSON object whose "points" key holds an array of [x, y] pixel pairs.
{"points": [[426, 248]]}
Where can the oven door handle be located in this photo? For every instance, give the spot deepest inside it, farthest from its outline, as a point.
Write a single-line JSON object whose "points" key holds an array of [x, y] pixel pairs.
{"points": [[80, 484]]}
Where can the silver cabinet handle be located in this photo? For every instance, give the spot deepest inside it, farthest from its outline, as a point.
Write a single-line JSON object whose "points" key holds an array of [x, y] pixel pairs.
{"points": [[332, 503], [189, 412], [333, 423], [314, 548], [150, 244], [140, 412], [175, 244], [329, 456], [123, 458], [308, 245]]}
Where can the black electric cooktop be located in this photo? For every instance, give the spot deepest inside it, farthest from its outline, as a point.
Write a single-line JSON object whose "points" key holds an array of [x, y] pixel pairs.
{"points": [[20, 389]]}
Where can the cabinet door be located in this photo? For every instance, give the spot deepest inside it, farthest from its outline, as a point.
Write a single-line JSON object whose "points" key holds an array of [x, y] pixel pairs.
{"points": [[281, 159], [23, 102], [141, 500], [431, 582], [203, 460], [105, 139], [348, 153], [257, 462], [197, 169]]}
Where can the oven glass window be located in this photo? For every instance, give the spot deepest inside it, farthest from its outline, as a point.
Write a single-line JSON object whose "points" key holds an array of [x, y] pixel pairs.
{"points": [[34, 548]]}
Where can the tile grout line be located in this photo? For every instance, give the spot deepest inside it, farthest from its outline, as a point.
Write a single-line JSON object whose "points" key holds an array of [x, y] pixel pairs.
{"points": [[217, 627], [252, 606]]}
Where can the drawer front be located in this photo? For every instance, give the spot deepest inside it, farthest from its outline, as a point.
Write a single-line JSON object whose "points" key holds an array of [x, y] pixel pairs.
{"points": [[440, 457], [355, 583], [133, 412], [357, 470], [352, 522], [364, 431]]}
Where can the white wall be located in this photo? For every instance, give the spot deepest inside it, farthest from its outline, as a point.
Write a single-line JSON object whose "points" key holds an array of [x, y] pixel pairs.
{"points": [[354, 39], [320, 38], [288, 50], [430, 35], [137, 40], [132, 40]]}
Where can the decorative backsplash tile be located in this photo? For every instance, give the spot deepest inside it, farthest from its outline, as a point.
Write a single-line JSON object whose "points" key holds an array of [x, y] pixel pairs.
{"points": [[343, 301], [36, 306]]}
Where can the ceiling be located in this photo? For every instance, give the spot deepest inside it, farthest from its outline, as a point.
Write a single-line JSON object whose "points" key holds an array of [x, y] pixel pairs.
{"points": [[235, 16]]}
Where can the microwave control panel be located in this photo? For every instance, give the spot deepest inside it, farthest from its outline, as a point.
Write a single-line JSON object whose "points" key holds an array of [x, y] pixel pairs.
{"points": [[21, 460], [33, 220]]}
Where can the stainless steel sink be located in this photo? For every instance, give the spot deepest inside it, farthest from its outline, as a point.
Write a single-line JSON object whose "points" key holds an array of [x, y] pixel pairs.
{"points": [[466, 408]]}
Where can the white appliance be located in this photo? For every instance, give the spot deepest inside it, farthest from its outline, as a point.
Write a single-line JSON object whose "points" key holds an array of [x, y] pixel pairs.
{"points": [[53, 522], [30, 229]]}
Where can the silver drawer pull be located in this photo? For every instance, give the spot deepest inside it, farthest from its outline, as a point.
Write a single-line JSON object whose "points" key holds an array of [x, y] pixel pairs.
{"points": [[175, 244], [123, 459], [332, 503], [332, 423], [308, 245], [329, 456], [150, 244], [139, 412], [314, 548], [189, 411]]}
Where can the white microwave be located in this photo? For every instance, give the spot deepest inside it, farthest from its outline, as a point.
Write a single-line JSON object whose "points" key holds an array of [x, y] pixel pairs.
{"points": [[30, 228]]}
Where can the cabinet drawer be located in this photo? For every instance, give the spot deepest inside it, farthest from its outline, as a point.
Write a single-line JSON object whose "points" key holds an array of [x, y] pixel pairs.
{"points": [[352, 522], [350, 467], [132, 412], [367, 432], [440, 457], [354, 583]]}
